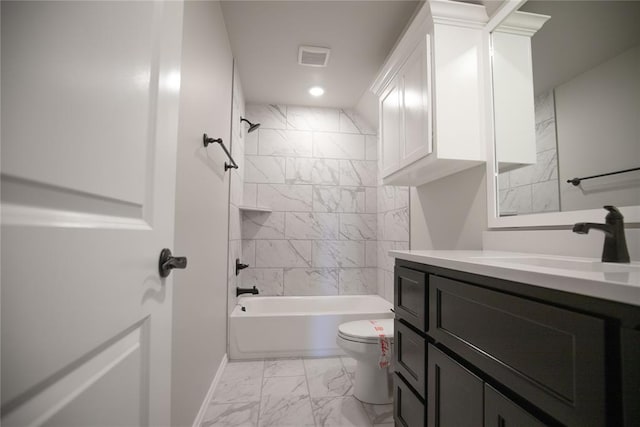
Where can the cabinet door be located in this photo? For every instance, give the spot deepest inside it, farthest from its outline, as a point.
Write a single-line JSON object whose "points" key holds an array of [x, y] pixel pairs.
{"points": [[410, 356], [408, 408], [551, 356], [416, 104], [502, 412], [391, 126], [410, 297], [454, 395]]}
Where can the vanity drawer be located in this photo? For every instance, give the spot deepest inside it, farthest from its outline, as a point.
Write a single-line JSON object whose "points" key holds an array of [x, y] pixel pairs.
{"points": [[410, 297], [408, 409], [554, 358], [409, 356]]}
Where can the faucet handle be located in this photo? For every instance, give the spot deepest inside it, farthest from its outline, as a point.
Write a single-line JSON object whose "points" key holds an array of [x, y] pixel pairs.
{"points": [[614, 214]]}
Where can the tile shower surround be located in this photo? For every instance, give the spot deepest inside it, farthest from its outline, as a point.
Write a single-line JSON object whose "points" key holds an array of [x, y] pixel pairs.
{"points": [[332, 219], [292, 392]]}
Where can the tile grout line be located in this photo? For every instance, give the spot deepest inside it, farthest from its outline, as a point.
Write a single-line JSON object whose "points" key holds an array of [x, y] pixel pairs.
{"points": [[261, 387], [306, 380]]}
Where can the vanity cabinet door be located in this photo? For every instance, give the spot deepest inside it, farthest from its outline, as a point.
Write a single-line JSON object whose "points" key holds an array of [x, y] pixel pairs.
{"points": [[409, 356], [410, 297], [408, 408], [502, 412], [552, 357], [454, 394]]}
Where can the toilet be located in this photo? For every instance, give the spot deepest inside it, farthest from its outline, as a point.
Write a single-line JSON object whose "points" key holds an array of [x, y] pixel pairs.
{"points": [[361, 340]]}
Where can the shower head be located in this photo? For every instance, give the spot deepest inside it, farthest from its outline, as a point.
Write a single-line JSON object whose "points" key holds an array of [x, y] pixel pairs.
{"points": [[252, 126]]}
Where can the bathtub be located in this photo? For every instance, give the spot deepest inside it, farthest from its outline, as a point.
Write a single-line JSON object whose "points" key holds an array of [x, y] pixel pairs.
{"points": [[297, 326]]}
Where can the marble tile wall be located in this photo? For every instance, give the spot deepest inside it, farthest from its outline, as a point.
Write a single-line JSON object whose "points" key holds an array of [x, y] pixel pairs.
{"points": [[317, 169], [393, 233], [534, 188]]}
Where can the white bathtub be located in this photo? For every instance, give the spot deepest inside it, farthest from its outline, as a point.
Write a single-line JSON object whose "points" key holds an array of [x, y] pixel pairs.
{"points": [[297, 326]]}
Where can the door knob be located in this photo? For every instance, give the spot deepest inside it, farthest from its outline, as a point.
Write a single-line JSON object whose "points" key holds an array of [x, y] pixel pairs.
{"points": [[168, 262]]}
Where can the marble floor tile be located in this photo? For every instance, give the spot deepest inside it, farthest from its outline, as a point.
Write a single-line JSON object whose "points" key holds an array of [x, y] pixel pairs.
{"points": [[292, 392], [232, 392], [327, 377], [240, 382], [286, 411], [283, 368], [285, 402], [231, 415], [243, 371], [339, 412], [349, 364], [379, 414], [285, 386]]}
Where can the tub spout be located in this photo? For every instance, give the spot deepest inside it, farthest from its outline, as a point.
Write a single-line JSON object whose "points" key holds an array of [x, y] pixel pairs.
{"points": [[253, 291]]}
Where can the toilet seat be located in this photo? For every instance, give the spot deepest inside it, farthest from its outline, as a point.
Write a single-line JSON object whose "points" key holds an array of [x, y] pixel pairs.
{"points": [[363, 331]]}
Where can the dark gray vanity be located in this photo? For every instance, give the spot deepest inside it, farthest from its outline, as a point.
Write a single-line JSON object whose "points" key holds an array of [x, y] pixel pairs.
{"points": [[477, 350]]}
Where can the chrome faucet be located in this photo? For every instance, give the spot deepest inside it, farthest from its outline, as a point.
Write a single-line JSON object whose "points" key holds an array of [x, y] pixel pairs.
{"points": [[253, 291], [615, 244]]}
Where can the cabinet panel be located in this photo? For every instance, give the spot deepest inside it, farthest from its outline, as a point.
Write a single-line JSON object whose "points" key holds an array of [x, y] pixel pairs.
{"points": [[409, 353], [630, 350], [502, 412], [408, 409], [391, 126], [552, 357], [417, 108], [454, 395], [410, 297]]}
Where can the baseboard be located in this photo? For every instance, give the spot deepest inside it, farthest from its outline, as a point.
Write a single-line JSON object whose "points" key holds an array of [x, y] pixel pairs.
{"points": [[209, 395]]}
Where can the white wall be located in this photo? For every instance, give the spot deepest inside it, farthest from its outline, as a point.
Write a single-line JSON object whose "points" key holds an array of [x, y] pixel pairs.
{"points": [[202, 195], [598, 132], [367, 108], [450, 213]]}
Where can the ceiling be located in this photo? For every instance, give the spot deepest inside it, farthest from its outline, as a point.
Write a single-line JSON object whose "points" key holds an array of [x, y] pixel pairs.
{"points": [[265, 36]]}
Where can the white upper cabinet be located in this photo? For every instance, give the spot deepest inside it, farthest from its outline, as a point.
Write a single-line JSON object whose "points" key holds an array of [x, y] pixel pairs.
{"points": [[390, 129], [431, 96]]}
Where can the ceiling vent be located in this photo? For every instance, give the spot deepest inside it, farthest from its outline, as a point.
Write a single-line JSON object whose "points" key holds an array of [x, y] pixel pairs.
{"points": [[312, 56]]}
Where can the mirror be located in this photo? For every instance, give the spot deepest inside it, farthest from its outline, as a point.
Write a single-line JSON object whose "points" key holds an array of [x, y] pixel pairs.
{"points": [[566, 102]]}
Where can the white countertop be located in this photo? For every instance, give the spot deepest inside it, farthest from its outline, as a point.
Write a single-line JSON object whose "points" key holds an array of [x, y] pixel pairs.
{"points": [[583, 276]]}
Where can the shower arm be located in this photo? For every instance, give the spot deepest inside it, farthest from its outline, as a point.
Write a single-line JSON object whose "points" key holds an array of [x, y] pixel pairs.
{"points": [[207, 140]]}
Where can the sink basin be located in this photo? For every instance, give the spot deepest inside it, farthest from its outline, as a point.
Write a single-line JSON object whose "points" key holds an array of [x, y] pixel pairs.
{"points": [[568, 264]]}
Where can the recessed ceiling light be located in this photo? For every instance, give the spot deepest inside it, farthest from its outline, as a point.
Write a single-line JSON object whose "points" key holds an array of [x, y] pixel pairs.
{"points": [[316, 91]]}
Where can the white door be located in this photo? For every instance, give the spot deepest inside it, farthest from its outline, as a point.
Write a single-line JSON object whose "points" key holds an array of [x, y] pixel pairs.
{"points": [[89, 123]]}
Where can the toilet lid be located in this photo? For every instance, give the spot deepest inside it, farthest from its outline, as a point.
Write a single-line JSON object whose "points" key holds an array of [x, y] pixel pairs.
{"points": [[364, 330]]}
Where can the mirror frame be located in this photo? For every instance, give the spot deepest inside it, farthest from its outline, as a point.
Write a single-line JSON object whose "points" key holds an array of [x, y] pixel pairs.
{"points": [[547, 219]]}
